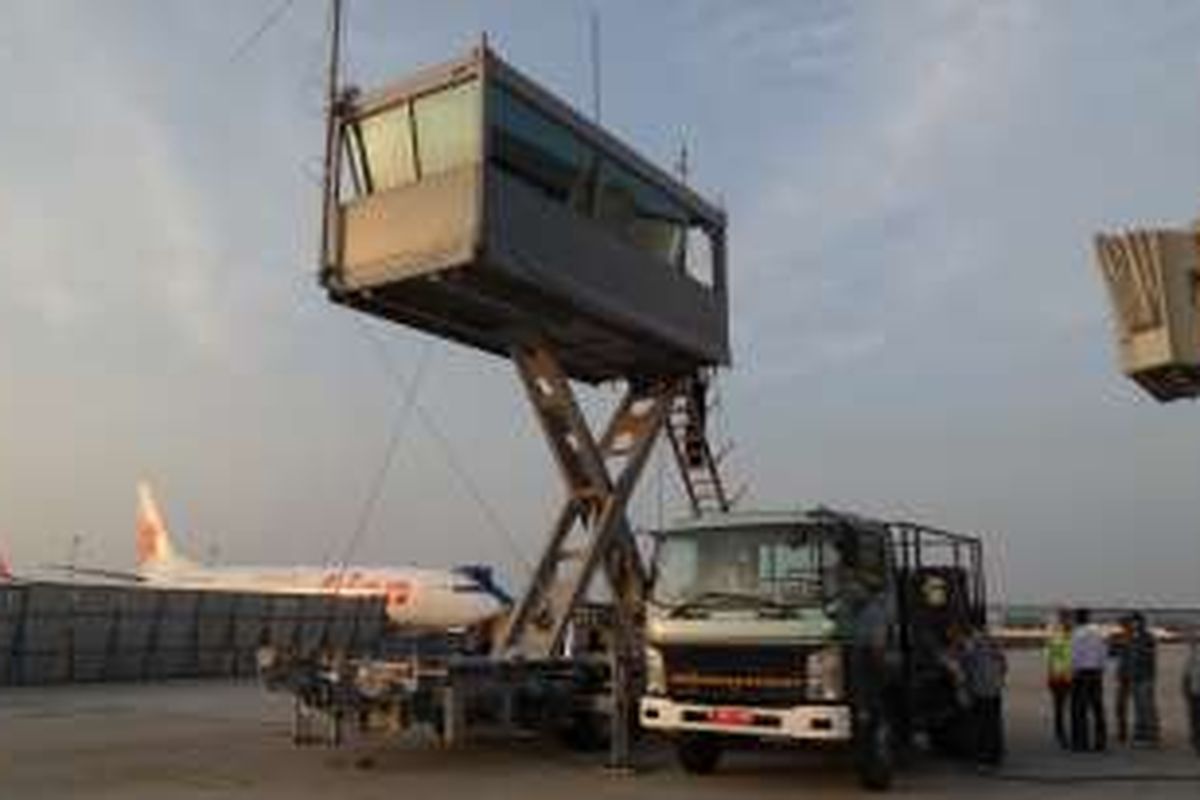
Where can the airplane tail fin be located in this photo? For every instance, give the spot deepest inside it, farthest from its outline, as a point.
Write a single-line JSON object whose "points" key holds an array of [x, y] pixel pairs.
{"points": [[5, 569], [154, 548]]}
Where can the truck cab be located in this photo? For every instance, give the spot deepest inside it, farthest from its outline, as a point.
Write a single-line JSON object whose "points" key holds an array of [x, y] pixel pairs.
{"points": [[796, 626]]}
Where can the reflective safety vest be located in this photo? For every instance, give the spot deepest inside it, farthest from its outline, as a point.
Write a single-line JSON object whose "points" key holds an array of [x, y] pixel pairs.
{"points": [[1058, 656]]}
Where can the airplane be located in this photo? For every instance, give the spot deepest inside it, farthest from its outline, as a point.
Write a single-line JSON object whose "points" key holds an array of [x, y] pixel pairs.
{"points": [[416, 598], [6, 573]]}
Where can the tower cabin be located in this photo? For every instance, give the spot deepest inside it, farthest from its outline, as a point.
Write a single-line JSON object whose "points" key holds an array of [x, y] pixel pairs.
{"points": [[1153, 280], [473, 204]]}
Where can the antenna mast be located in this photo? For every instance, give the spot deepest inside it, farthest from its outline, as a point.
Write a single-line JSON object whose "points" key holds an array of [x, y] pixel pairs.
{"points": [[329, 182], [594, 20]]}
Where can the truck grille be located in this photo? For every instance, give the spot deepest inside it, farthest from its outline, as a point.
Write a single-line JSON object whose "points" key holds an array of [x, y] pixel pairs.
{"points": [[759, 676]]}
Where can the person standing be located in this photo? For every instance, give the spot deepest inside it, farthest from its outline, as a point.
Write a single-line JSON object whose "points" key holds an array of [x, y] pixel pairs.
{"points": [[1191, 688], [1088, 652], [1058, 674], [984, 669], [1143, 673], [1118, 650]]}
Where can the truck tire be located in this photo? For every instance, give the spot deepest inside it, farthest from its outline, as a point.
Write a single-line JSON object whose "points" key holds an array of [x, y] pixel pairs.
{"points": [[585, 732], [875, 753], [698, 755]]}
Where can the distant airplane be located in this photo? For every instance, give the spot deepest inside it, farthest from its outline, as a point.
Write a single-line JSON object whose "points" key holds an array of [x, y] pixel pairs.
{"points": [[415, 597]]}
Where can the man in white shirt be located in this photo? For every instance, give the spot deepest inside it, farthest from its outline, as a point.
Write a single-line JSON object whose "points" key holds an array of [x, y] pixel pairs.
{"points": [[1088, 654]]}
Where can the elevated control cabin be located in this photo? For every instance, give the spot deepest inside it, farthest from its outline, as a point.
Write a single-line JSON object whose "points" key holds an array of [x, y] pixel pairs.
{"points": [[1153, 280], [475, 205]]}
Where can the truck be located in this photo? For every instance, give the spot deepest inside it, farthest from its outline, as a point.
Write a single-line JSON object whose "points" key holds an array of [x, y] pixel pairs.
{"points": [[808, 627]]}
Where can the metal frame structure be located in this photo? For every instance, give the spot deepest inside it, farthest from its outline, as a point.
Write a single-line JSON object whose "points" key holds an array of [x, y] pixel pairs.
{"points": [[1153, 281], [576, 267], [920, 546], [595, 503], [591, 530]]}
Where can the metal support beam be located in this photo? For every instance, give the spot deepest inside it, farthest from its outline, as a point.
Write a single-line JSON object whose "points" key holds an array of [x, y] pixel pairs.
{"points": [[594, 506], [591, 531]]}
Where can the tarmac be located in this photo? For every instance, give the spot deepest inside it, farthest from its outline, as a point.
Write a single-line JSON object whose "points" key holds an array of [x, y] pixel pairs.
{"points": [[209, 740]]}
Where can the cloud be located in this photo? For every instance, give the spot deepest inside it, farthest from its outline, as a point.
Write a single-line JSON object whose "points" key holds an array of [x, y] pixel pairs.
{"points": [[108, 224], [835, 221]]}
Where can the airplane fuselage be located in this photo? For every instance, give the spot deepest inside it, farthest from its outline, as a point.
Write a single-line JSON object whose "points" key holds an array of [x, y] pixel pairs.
{"points": [[414, 597]]}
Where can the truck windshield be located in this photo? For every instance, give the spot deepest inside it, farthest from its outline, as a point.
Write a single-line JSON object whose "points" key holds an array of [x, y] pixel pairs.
{"points": [[780, 566]]}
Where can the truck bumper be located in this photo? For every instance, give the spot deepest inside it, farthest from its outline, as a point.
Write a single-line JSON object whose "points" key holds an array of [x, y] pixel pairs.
{"points": [[818, 723]]}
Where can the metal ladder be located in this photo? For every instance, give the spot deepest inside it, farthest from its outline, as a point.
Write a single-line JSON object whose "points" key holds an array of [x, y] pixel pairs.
{"points": [[699, 466]]}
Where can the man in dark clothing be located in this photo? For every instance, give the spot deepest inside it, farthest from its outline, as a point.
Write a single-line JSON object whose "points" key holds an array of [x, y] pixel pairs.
{"points": [[984, 669], [1118, 650], [1143, 673]]}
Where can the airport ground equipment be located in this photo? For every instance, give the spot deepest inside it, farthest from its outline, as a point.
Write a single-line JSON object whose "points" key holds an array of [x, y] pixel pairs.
{"points": [[470, 203], [809, 627], [441, 683], [1153, 280]]}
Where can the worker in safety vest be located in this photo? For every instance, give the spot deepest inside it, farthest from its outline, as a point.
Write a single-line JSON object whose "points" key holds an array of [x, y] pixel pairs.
{"points": [[1058, 674]]}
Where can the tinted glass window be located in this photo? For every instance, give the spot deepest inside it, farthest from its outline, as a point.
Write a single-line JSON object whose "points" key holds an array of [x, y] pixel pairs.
{"points": [[448, 124], [386, 159], [639, 213], [699, 258], [541, 152]]}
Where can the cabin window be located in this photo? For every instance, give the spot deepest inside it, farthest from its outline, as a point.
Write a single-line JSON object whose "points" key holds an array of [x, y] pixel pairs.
{"points": [[381, 150], [641, 214], [699, 255], [540, 152], [448, 123]]}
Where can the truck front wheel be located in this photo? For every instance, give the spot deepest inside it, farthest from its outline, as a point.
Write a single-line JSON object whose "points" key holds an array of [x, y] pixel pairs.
{"points": [[876, 752], [698, 754]]}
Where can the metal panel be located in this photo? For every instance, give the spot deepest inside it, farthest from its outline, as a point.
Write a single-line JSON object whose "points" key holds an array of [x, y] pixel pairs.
{"points": [[174, 653], [46, 632], [215, 633], [342, 624], [42, 668], [93, 611], [12, 603], [369, 620], [314, 619], [660, 320], [94, 633], [410, 231], [285, 618]]}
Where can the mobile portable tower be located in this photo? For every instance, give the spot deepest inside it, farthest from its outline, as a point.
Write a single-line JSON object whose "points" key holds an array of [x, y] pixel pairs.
{"points": [[1153, 281], [469, 202]]}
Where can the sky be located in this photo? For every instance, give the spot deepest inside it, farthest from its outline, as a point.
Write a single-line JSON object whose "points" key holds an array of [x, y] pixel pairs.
{"points": [[919, 326]]}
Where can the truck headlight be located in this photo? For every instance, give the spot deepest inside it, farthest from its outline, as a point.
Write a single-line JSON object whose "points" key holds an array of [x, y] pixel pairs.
{"points": [[823, 674], [656, 672]]}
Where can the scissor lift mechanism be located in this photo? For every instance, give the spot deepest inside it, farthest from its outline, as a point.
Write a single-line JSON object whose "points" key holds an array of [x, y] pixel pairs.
{"points": [[591, 530]]}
